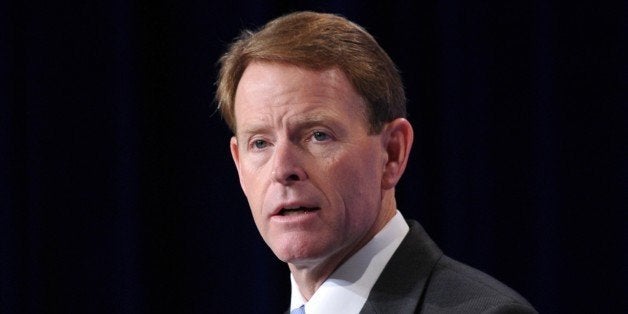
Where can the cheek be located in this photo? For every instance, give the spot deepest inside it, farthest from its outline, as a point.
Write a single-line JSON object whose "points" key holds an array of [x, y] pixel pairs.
{"points": [[360, 168], [357, 180], [252, 186]]}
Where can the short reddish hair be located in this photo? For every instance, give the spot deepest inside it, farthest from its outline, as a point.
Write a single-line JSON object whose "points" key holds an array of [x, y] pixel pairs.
{"points": [[317, 41]]}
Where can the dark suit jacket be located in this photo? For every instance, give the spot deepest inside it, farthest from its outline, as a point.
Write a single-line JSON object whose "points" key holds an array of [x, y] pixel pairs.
{"points": [[420, 279]]}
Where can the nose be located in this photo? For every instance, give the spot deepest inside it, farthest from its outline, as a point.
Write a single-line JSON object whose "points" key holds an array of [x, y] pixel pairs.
{"points": [[288, 164]]}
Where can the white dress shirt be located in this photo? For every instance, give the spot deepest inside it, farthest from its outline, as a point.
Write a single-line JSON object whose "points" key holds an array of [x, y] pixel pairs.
{"points": [[348, 287]]}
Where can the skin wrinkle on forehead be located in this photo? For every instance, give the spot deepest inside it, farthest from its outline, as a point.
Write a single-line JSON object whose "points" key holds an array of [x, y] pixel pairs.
{"points": [[333, 75]]}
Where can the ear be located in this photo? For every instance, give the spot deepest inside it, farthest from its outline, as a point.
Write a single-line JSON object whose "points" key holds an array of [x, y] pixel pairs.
{"points": [[235, 154], [397, 140]]}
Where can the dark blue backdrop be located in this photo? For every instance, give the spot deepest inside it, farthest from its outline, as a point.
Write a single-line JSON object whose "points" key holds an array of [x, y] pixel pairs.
{"points": [[118, 194]]}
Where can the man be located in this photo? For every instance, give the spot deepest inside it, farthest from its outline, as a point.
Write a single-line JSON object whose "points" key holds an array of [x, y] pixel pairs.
{"points": [[320, 141]]}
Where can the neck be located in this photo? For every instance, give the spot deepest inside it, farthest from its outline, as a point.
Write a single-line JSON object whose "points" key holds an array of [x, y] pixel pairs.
{"points": [[310, 276]]}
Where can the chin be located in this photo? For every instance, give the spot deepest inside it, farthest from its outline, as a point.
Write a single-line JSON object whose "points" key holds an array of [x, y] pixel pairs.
{"points": [[298, 252]]}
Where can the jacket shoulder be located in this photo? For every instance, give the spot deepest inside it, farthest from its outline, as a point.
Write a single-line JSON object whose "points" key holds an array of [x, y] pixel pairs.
{"points": [[456, 287]]}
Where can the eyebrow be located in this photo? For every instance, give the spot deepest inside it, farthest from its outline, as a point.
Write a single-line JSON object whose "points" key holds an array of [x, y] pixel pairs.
{"points": [[250, 130], [301, 122]]}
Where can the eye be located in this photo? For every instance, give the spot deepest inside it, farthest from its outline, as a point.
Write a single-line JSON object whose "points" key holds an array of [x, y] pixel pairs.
{"points": [[320, 136], [259, 144]]}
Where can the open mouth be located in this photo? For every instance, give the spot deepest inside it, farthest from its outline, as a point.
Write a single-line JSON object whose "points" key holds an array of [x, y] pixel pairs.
{"points": [[297, 210]]}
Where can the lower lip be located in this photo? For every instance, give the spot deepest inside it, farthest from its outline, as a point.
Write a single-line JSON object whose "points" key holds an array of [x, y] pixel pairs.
{"points": [[296, 218]]}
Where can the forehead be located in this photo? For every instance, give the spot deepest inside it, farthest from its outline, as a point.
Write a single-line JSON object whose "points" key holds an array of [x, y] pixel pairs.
{"points": [[271, 87]]}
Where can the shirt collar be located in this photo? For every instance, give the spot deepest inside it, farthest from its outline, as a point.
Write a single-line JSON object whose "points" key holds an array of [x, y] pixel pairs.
{"points": [[348, 287]]}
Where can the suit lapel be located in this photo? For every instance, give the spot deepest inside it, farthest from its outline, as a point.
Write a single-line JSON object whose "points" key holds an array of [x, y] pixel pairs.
{"points": [[400, 287]]}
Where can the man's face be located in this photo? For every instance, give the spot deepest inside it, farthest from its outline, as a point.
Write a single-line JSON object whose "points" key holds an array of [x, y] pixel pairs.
{"points": [[307, 164]]}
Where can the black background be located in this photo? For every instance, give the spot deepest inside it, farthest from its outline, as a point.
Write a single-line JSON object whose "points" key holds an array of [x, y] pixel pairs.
{"points": [[118, 193]]}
